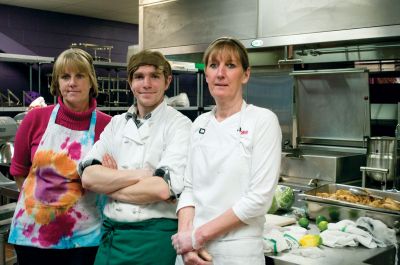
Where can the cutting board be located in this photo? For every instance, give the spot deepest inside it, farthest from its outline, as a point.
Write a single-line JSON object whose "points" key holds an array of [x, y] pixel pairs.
{"points": [[277, 220]]}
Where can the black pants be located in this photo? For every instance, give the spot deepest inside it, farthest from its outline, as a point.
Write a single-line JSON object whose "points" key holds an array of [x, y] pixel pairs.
{"points": [[38, 256]]}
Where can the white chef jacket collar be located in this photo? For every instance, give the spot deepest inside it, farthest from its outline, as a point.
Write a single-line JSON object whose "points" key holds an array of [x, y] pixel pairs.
{"points": [[242, 108], [132, 113]]}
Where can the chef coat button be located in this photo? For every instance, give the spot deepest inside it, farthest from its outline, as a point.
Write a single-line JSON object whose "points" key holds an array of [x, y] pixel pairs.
{"points": [[124, 166], [118, 209], [126, 141]]}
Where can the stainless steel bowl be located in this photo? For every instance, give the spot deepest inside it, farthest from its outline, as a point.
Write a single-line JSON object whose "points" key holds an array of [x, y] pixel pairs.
{"points": [[6, 152], [19, 117]]}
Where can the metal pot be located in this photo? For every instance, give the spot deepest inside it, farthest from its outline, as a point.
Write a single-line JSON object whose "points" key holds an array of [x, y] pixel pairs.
{"points": [[382, 154]]}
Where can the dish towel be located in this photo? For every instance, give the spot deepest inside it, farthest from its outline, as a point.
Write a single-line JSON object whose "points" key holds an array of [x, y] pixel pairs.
{"points": [[382, 235], [278, 239], [366, 231]]}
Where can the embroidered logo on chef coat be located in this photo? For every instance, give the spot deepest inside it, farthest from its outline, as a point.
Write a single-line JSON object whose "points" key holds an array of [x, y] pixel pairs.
{"points": [[242, 132]]}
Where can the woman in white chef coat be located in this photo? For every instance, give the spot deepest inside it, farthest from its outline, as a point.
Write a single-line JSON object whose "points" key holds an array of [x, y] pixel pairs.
{"points": [[233, 168], [139, 163]]}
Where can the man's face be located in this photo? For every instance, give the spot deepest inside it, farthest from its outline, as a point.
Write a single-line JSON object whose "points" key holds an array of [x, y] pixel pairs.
{"points": [[148, 85]]}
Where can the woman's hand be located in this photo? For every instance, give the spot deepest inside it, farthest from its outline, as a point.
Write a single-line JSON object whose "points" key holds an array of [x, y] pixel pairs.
{"points": [[200, 257], [182, 242], [186, 241]]}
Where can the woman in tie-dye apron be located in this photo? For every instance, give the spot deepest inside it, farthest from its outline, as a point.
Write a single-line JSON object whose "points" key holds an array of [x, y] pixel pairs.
{"points": [[56, 221]]}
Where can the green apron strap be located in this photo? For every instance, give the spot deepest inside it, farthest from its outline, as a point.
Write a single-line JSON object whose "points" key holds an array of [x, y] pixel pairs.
{"points": [[139, 243]]}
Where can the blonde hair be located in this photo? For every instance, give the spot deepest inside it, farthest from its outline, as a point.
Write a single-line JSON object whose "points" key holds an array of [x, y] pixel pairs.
{"points": [[78, 60]]}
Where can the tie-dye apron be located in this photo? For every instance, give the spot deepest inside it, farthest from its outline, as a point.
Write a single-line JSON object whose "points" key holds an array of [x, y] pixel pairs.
{"points": [[53, 210]]}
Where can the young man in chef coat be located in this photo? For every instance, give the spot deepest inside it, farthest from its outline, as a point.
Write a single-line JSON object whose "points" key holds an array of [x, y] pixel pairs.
{"points": [[139, 164]]}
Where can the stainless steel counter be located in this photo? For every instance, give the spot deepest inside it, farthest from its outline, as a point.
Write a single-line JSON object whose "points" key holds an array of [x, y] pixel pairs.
{"points": [[338, 256]]}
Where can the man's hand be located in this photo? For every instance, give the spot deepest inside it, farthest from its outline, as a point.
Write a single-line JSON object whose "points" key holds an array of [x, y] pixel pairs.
{"points": [[109, 161]]}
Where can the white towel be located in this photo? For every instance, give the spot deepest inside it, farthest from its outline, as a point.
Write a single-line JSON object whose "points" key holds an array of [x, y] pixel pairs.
{"points": [[292, 234], [278, 239], [274, 242], [382, 235], [366, 231], [337, 238]]}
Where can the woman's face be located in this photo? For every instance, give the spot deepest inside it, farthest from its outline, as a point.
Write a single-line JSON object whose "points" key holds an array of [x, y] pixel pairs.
{"points": [[225, 76], [74, 88]]}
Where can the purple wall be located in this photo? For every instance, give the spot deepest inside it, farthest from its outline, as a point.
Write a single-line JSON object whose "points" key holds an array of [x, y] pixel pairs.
{"points": [[34, 32], [48, 33]]}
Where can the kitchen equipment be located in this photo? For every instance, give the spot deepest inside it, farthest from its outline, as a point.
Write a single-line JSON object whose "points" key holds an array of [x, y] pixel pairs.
{"points": [[382, 153], [362, 192], [321, 166], [336, 210], [19, 117], [8, 128], [6, 152], [8, 188], [7, 252], [328, 139]]}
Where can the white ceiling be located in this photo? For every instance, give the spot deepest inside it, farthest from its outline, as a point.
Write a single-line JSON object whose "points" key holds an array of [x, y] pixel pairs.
{"points": [[118, 10]]}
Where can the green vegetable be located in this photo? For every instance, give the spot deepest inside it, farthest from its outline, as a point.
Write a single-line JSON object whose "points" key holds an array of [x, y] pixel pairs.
{"points": [[274, 206], [320, 218], [303, 222], [334, 214], [284, 196], [323, 225]]}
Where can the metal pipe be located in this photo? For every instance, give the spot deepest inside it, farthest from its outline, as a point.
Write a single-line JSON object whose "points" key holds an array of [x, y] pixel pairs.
{"points": [[316, 52]]}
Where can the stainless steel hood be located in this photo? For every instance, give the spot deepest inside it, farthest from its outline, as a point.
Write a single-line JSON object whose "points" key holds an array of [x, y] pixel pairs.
{"points": [[187, 26], [332, 107]]}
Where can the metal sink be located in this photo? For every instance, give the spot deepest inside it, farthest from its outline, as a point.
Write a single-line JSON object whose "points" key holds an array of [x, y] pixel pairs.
{"points": [[385, 257]]}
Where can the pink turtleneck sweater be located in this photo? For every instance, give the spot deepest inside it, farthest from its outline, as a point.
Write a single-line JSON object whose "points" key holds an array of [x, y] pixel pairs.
{"points": [[34, 125]]}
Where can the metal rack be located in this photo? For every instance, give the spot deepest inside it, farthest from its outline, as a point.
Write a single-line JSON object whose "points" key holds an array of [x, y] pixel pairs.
{"points": [[95, 49], [30, 60], [112, 82]]}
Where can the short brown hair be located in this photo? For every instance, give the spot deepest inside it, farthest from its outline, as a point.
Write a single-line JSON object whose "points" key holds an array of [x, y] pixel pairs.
{"points": [[229, 44], [147, 57], [79, 60]]}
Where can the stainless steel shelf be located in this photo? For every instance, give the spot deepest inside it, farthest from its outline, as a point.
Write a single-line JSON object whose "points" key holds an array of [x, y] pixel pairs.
{"points": [[13, 109], [187, 108], [127, 107], [19, 58], [113, 108], [110, 64]]}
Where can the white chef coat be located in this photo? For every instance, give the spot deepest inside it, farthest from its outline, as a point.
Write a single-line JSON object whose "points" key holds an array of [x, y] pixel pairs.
{"points": [[162, 140], [234, 164]]}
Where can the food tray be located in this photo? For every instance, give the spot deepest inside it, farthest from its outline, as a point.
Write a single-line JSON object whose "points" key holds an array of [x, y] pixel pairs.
{"points": [[335, 210]]}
